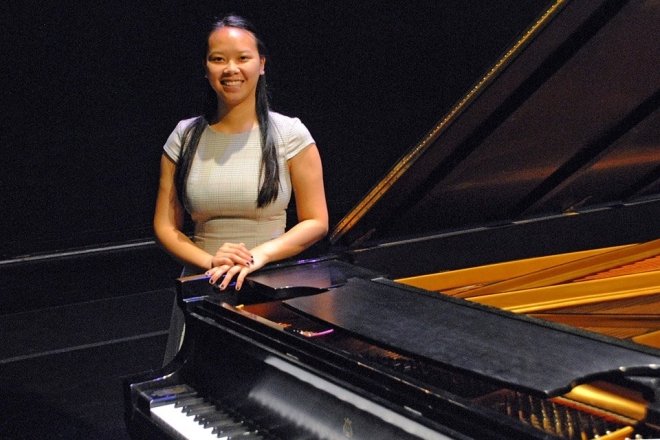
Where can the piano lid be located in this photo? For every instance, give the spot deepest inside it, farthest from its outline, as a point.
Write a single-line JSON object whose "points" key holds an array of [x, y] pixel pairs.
{"points": [[477, 339], [566, 121]]}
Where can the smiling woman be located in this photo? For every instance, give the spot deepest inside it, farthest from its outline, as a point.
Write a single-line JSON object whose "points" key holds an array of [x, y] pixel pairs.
{"points": [[233, 169], [233, 67]]}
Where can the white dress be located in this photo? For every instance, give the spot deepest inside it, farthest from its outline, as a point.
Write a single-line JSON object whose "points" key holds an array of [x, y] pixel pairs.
{"points": [[222, 189]]}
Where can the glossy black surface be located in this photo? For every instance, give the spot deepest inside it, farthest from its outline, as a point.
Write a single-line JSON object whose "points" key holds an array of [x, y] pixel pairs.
{"points": [[518, 352], [568, 124]]}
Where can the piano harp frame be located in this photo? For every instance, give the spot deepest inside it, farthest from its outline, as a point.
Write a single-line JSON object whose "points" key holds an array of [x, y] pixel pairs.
{"points": [[554, 288]]}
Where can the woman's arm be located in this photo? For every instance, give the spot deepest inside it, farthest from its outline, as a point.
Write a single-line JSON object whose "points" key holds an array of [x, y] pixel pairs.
{"points": [[168, 221], [307, 181], [168, 224]]}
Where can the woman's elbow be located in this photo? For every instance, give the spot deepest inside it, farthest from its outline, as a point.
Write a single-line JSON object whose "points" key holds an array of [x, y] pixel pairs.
{"points": [[321, 229]]}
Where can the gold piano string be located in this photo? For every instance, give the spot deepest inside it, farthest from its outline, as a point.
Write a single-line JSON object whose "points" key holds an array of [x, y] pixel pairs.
{"points": [[620, 434], [456, 281], [565, 295], [645, 265], [571, 270], [617, 400], [569, 418]]}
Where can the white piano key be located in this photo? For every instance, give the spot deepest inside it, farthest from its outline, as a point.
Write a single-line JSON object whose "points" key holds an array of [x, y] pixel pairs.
{"points": [[178, 422]]}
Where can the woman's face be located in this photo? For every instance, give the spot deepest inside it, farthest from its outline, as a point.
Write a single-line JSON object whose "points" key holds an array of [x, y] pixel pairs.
{"points": [[233, 65]]}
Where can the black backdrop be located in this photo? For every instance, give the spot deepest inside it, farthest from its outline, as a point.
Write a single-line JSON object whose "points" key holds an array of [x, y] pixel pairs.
{"points": [[91, 90]]}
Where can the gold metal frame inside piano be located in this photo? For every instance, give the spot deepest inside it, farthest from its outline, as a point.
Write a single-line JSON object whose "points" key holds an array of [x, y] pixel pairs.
{"points": [[579, 289]]}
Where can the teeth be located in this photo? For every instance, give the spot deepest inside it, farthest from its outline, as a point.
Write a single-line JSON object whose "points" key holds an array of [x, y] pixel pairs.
{"points": [[231, 83]]}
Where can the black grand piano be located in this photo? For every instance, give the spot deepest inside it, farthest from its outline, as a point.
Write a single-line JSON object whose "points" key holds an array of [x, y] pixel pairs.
{"points": [[502, 281]]}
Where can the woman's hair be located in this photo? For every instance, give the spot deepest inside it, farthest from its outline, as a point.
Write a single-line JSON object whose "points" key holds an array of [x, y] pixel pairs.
{"points": [[269, 172]]}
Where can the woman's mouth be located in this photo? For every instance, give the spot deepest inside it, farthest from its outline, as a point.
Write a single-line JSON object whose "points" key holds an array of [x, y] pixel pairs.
{"points": [[231, 82]]}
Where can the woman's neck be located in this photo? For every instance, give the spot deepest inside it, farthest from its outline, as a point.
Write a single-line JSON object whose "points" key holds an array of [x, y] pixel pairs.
{"points": [[237, 119]]}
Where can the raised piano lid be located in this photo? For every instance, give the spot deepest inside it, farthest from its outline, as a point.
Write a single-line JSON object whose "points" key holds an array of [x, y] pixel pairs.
{"points": [[560, 140], [482, 341], [565, 123]]}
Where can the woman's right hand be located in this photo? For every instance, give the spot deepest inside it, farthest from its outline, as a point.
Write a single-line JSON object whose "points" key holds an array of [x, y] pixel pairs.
{"points": [[232, 254]]}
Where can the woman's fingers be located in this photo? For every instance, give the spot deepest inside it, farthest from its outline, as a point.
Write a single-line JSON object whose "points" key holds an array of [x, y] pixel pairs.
{"points": [[217, 272], [233, 253], [229, 272]]}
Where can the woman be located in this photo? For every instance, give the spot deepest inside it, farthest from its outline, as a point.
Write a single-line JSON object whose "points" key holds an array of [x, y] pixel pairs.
{"points": [[233, 169]]}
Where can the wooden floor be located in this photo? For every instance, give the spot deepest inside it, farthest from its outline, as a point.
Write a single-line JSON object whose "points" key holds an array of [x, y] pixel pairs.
{"points": [[70, 336]]}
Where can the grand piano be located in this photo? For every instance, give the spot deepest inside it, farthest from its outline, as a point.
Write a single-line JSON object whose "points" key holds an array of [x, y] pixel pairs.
{"points": [[502, 281]]}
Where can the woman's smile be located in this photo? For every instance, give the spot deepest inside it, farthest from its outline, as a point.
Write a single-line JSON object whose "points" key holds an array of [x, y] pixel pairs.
{"points": [[233, 65]]}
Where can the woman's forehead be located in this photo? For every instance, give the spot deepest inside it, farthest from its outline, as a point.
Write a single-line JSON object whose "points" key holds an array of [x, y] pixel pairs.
{"points": [[233, 36]]}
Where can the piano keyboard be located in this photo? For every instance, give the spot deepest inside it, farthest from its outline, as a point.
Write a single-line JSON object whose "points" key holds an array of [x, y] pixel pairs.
{"points": [[286, 403], [186, 415]]}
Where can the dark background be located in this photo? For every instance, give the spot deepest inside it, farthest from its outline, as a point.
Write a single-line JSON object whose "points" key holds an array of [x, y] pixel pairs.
{"points": [[91, 90]]}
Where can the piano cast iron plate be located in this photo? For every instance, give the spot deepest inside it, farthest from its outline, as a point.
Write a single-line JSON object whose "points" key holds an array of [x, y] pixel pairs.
{"points": [[512, 349]]}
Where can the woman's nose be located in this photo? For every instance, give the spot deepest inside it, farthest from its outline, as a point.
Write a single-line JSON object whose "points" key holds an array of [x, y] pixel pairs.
{"points": [[232, 67]]}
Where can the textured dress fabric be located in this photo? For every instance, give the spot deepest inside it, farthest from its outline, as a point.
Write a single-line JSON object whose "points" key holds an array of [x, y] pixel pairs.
{"points": [[222, 189], [224, 181]]}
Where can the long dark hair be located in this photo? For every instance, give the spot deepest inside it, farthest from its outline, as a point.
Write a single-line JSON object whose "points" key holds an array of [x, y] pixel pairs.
{"points": [[270, 176]]}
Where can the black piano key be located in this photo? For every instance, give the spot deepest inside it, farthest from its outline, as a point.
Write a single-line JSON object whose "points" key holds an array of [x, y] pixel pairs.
{"points": [[180, 403], [223, 424], [231, 430], [248, 436], [210, 411], [192, 410], [213, 420]]}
